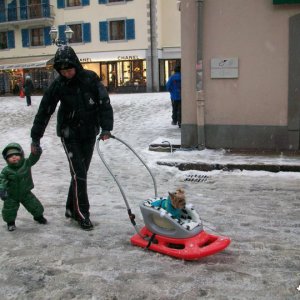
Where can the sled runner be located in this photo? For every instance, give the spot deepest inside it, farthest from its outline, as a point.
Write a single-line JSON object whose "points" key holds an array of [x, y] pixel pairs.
{"points": [[182, 238]]}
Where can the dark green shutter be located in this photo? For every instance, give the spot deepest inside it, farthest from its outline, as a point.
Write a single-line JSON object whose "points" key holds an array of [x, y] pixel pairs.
{"points": [[85, 2], [102, 1]]}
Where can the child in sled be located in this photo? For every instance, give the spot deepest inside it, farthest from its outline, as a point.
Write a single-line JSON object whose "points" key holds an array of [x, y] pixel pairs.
{"points": [[16, 185]]}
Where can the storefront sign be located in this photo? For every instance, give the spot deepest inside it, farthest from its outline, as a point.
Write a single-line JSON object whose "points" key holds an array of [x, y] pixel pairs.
{"points": [[85, 59], [133, 57]]}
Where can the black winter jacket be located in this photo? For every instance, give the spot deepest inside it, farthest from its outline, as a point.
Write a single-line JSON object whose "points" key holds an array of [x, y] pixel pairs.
{"points": [[84, 102]]}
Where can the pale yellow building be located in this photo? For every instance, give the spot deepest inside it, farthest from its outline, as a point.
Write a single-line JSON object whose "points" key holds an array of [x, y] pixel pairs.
{"points": [[132, 44]]}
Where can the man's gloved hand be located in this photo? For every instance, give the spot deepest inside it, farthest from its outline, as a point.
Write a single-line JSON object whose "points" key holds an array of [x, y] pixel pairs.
{"points": [[105, 135], [3, 194], [36, 148]]}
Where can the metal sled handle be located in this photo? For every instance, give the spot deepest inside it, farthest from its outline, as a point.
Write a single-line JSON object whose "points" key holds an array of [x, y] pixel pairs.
{"points": [[114, 177]]}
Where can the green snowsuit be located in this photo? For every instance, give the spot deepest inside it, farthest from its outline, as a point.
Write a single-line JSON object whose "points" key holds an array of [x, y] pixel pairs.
{"points": [[16, 179]]}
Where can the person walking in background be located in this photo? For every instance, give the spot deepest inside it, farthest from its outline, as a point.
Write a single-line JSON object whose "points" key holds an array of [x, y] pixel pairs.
{"points": [[174, 87], [16, 184], [84, 108], [28, 89]]}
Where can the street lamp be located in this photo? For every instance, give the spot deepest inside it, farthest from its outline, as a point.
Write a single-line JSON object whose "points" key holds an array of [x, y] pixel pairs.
{"points": [[54, 35]]}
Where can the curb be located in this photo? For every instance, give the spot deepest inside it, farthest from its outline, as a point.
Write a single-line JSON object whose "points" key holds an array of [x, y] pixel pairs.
{"points": [[230, 167]]}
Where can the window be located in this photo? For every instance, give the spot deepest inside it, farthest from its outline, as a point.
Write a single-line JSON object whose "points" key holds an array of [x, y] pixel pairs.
{"points": [[117, 30], [77, 35], [111, 1], [35, 9], [81, 33], [36, 37], [3, 40], [71, 3]]}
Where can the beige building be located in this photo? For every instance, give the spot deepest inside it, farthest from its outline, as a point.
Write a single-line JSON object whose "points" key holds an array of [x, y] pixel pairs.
{"points": [[132, 44], [241, 74]]}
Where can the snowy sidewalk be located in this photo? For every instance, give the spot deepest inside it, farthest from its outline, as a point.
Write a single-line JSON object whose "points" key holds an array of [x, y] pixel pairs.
{"points": [[208, 160]]}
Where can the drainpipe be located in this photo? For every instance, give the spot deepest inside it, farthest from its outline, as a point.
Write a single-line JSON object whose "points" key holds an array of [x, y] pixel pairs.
{"points": [[199, 78], [151, 44]]}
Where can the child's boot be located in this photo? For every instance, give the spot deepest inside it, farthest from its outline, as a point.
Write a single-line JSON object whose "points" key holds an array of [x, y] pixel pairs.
{"points": [[41, 219], [11, 226]]}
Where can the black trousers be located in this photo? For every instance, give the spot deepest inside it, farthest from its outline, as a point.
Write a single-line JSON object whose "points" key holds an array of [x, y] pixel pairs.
{"points": [[176, 112], [28, 100], [79, 153]]}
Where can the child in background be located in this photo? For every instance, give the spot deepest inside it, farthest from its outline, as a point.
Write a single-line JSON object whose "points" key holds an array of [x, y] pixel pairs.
{"points": [[16, 184]]}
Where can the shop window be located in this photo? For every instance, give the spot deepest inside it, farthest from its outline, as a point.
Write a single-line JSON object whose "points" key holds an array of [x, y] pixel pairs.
{"points": [[112, 1], [82, 33], [117, 30]]}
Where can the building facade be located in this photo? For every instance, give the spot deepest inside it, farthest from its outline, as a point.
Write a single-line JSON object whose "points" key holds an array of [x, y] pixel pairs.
{"points": [[130, 44], [241, 74]]}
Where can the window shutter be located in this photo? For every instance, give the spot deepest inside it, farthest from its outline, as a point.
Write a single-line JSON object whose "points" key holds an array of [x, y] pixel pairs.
{"points": [[103, 30], [23, 9], [11, 39], [60, 3], [130, 29], [46, 8], [102, 1], [87, 32], [12, 11], [61, 33], [85, 2], [25, 38], [47, 38]]}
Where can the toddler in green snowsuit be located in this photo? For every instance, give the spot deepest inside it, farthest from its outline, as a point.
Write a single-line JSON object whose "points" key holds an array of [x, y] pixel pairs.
{"points": [[16, 184]]}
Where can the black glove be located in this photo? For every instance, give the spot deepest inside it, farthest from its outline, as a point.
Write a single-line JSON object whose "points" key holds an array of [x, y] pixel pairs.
{"points": [[105, 135], [3, 194], [36, 148]]}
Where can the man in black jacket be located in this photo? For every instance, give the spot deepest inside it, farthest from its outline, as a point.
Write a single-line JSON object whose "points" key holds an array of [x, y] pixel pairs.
{"points": [[84, 108]]}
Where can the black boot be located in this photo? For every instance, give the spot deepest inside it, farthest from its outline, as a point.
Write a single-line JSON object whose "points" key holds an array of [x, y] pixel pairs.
{"points": [[86, 224], [41, 219], [11, 226]]}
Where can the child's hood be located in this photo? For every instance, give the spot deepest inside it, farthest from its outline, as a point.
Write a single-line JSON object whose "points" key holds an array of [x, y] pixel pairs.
{"points": [[13, 148]]}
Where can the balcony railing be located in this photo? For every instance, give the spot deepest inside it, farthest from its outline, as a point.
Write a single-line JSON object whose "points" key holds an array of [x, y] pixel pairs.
{"points": [[28, 12]]}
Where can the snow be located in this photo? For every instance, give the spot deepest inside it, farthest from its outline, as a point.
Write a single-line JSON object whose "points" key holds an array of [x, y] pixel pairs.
{"points": [[258, 210]]}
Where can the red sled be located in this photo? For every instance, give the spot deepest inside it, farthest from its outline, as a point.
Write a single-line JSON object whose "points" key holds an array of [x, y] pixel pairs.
{"points": [[201, 245], [181, 238]]}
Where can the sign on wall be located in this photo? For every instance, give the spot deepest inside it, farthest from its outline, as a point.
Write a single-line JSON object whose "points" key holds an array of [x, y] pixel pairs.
{"points": [[224, 67]]}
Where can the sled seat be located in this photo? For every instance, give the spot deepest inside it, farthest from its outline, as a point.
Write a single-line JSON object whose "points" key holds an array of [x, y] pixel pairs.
{"points": [[159, 221]]}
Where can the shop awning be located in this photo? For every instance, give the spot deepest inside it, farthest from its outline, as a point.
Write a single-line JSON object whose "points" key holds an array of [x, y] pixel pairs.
{"points": [[25, 62]]}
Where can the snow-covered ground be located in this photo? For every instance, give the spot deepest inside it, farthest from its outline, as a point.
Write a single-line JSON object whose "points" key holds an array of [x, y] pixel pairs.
{"points": [[259, 211]]}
